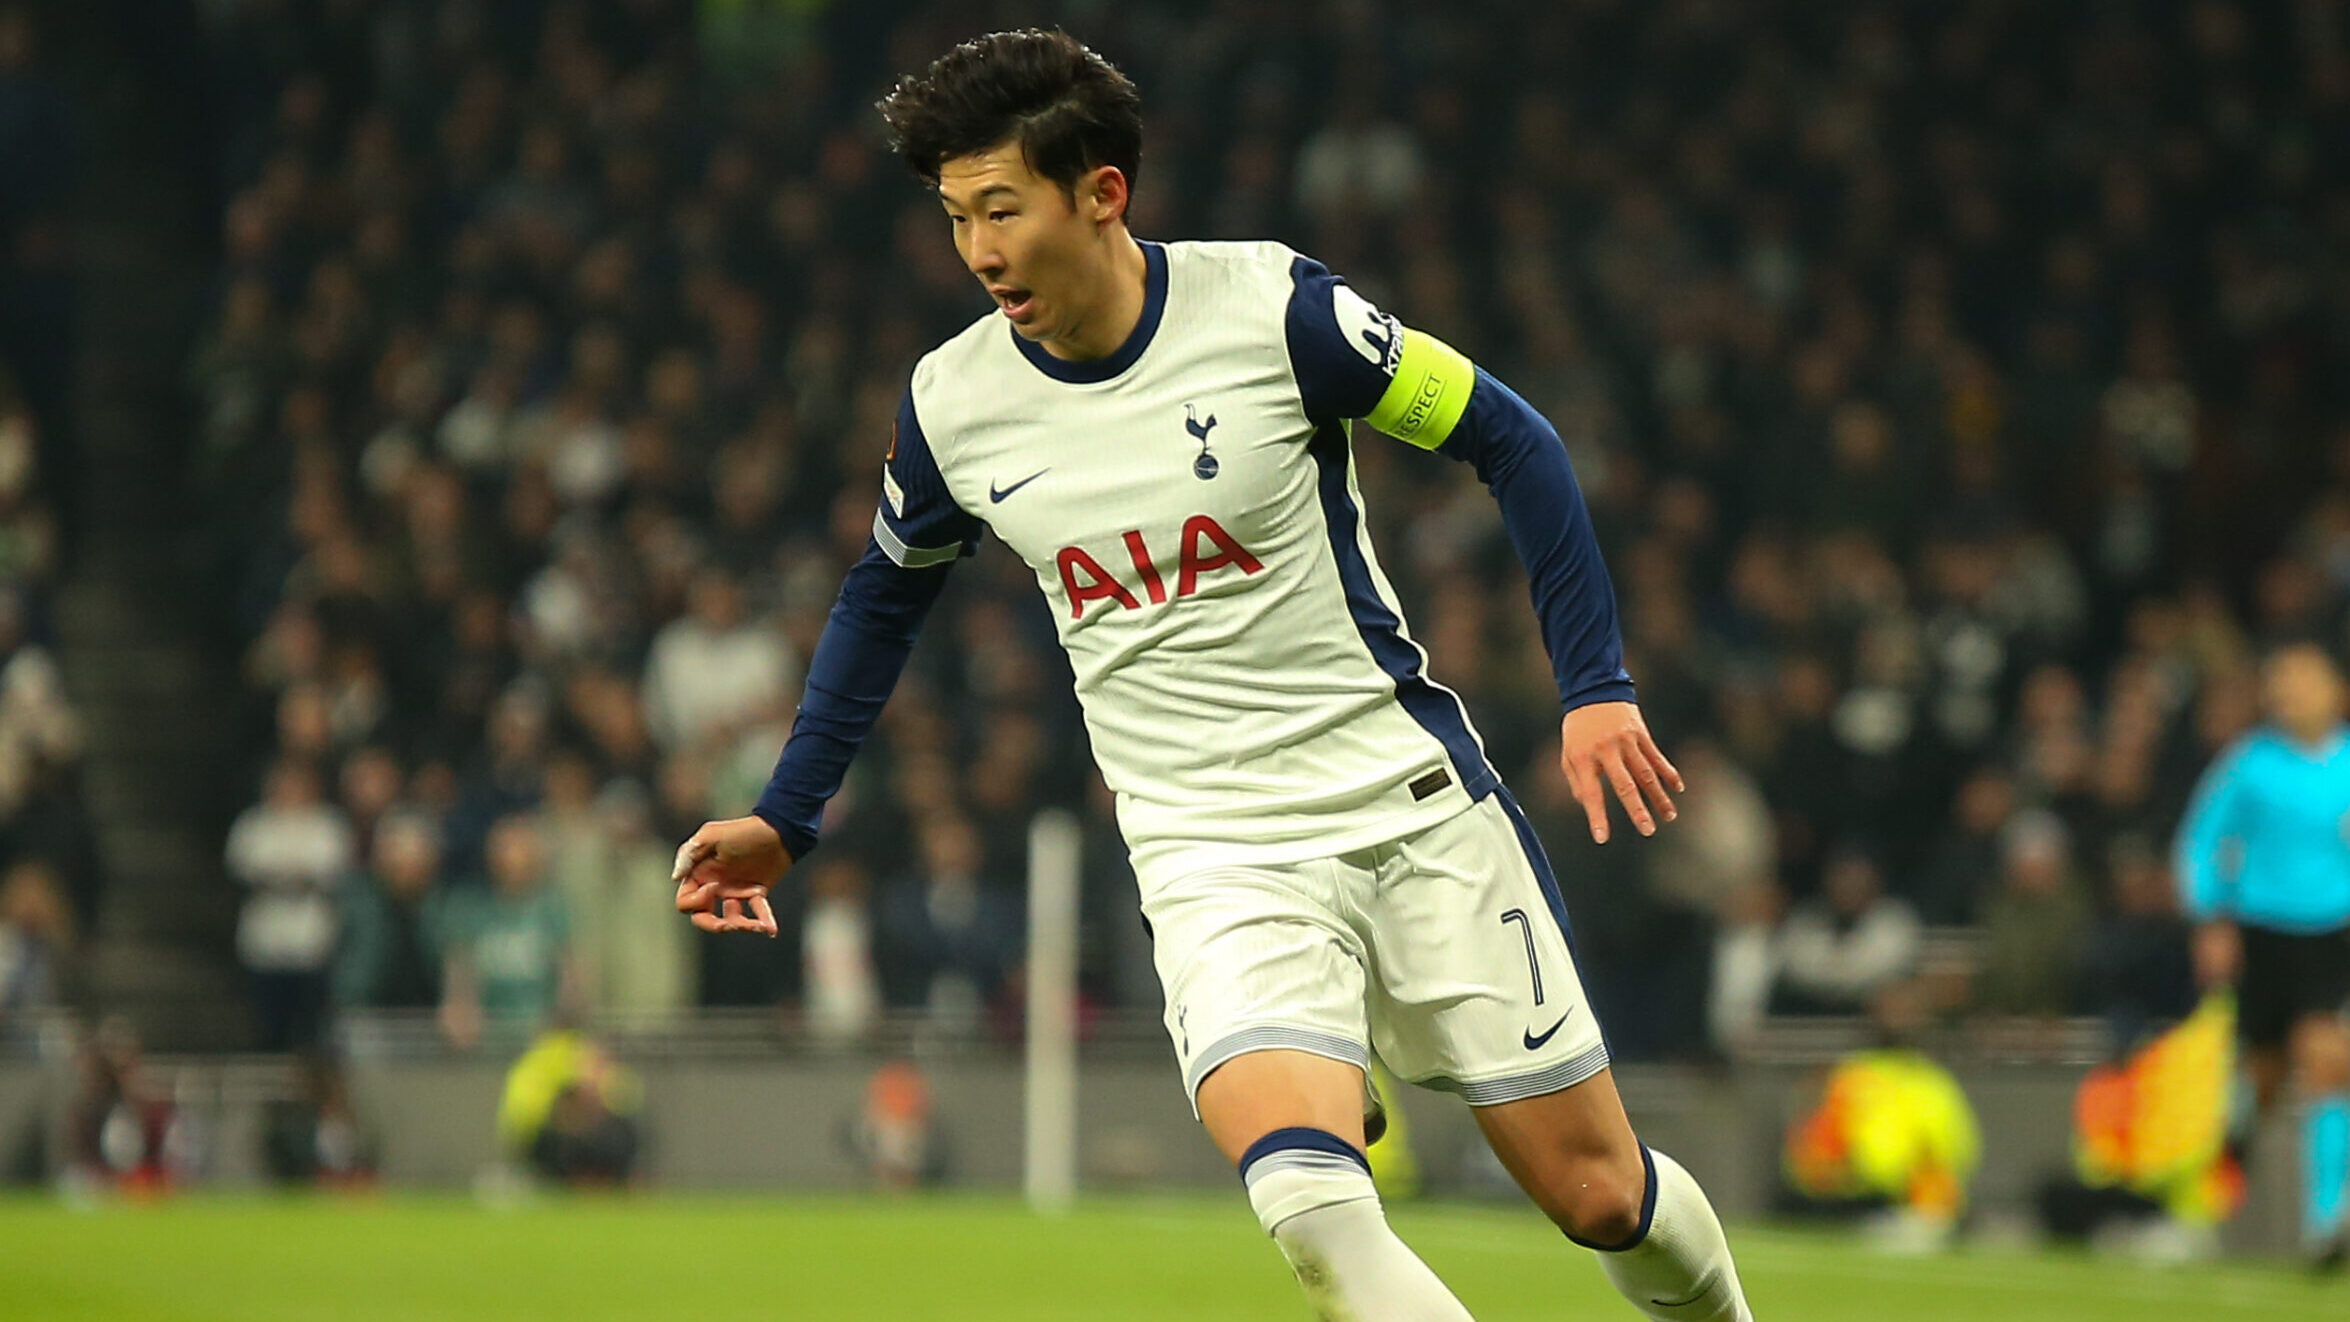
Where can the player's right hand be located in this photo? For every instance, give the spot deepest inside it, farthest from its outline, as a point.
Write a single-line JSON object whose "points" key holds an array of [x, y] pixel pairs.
{"points": [[724, 871]]}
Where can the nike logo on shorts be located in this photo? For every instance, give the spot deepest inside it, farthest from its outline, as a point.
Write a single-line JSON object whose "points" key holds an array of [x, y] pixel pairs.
{"points": [[1534, 1043], [996, 496]]}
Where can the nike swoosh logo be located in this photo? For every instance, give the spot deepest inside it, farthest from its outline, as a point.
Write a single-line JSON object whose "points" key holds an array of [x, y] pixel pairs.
{"points": [[1533, 1042], [1705, 1285], [996, 496]]}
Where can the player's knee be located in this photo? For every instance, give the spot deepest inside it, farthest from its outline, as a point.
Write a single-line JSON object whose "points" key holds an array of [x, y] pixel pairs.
{"points": [[1603, 1202], [1291, 1172]]}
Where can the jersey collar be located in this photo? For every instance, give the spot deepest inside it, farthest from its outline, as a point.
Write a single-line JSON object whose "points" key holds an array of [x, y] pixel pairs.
{"points": [[1154, 304]]}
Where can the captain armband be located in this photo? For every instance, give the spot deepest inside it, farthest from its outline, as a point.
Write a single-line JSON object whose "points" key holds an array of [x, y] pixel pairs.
{"points": [[1429, 393]]}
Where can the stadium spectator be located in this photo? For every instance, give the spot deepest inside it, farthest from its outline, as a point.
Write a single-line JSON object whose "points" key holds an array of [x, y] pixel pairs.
{"points": [[291, 851], [714, 672], [951, 932], [124, 1131], [2138, 972], [1704, 876], [2035, 924], [1960, 865], [843, 994], [389, 958], [506, 955], [317, 1137], [36, 945], [634, 968], [1837, 952]]}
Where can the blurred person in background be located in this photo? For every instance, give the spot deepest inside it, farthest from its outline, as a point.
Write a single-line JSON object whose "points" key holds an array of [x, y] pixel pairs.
{"points": [[895, 1134], [1956, 876], [714, 671], [390, 958], [292, 851], [568, 1113], [2151, 1167], [1890, 1135], [507, 776], [42, 813], [948, 934], [633, 970], [842, 992], [36, 946], [1706, 876], [2263, 860], [316, 1137], [2139, 970], [506, 953], [2034, 923], [1838, 950], [123, 1129]]}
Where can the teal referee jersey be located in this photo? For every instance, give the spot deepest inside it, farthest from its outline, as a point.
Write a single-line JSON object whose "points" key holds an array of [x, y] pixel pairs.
{"points": [[2266, 838]]}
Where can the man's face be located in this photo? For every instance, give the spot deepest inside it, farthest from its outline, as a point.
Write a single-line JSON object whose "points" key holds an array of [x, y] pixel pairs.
{"points": [[1027, 240], [2303, 690]]}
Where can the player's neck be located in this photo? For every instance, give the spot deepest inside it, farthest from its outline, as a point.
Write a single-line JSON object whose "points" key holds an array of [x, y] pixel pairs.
{"points": [[1120, 292]]}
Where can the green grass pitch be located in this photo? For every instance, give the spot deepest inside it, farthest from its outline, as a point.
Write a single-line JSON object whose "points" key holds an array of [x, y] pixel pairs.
{"points": [[969, 1259]]}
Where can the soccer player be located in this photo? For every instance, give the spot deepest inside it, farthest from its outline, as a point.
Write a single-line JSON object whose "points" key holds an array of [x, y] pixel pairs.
{"points": [[2263, 859], [1327, 862]]}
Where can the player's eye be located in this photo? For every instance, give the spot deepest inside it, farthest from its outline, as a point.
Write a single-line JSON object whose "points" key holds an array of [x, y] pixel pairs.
{"points": [[999, 215]]}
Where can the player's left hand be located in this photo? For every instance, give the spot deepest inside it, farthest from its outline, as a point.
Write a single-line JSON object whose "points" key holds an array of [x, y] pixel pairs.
{"points": [[1606, 745]]}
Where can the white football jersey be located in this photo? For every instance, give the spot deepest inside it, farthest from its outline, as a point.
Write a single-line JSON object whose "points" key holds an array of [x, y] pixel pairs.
{"points": [[1190, 510]]}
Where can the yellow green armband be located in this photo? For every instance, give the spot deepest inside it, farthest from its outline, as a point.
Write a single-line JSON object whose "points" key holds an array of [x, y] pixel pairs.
{"points": [[1430, 391]]}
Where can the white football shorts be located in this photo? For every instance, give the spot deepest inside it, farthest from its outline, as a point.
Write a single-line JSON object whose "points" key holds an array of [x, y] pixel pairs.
{"points": [[1445, 951]]}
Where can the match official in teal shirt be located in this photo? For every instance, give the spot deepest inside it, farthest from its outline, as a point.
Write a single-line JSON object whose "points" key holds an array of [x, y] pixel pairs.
{"points": [[2263, 860]]}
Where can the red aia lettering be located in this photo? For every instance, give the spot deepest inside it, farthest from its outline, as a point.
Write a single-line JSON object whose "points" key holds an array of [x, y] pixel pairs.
{"points": [[1229, 551], [1084, 579], [1071, 560]]}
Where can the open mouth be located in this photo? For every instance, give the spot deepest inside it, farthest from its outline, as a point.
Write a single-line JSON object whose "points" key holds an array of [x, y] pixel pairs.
{"points": [[1016, 303]]}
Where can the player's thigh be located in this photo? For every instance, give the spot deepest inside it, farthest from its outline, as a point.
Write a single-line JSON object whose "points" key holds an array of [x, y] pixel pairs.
{"points": [[1258, 1092], [1473, 986], [1256, 960]]}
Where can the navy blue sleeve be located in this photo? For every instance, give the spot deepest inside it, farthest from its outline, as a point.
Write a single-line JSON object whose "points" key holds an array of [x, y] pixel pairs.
{"points": [[1352, 360], [1342, 350], [1519, 457], [857, 664], [919, 523]]}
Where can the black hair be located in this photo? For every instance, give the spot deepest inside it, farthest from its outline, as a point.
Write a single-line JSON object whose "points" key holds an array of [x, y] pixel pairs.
{"points": [[1070, 110]]}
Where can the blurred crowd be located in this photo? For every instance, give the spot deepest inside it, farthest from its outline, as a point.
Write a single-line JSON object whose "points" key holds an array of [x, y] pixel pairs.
{"points": [[1955, 387], [49, 882]]}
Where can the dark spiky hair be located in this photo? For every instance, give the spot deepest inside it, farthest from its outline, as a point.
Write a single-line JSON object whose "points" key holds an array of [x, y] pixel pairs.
{"points": [[1070, 110]]}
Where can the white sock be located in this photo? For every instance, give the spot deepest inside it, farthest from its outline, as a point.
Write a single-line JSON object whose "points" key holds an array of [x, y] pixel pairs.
{"points": [[1679, 1268], [1312, 1193]]}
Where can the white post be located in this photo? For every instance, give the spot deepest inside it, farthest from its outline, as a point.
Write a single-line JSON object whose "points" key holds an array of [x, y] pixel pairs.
{"points": [[1051, 1174]]}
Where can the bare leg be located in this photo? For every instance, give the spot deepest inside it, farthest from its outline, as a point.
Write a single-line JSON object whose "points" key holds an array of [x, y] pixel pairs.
{"points": [[1292, 1122], [1574, 1153]]}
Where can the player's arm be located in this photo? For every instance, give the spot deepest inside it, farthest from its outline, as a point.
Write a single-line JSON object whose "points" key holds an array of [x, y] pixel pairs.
{"points": [[2203, 857], [724, 871], [1351, 360]]}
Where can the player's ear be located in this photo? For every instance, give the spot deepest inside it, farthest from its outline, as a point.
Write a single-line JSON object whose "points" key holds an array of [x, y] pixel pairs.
{"points": [[1105, 193]]}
